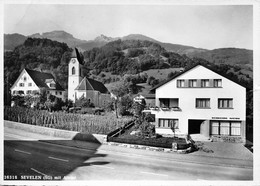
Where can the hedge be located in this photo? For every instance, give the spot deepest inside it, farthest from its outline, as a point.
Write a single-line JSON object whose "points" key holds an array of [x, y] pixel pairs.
{"points": [[154, 142]]}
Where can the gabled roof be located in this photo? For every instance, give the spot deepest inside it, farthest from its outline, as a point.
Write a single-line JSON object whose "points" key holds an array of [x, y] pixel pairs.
{"points": [[146, 96], [40, 78], [75, 54], [186, 70], [91, 84]]}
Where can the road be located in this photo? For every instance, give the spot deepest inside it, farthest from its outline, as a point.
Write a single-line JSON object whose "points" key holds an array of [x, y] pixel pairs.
{"points": [[36, 157]]}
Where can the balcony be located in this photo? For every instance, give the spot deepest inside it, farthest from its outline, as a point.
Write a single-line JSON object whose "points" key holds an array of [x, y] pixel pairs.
{"points": [[165, 108]]}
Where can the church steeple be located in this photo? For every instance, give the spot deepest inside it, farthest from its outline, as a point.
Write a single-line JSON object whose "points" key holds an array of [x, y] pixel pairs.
{"points": [[75, 54], [75, 74]]}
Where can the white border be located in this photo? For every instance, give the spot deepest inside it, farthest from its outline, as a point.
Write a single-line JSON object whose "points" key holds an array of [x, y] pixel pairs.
{"points": [[256, 72]]}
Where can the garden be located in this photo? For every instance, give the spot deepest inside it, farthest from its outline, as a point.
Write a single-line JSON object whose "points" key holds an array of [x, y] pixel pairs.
{"points": [[85, 123], [142, 132]]}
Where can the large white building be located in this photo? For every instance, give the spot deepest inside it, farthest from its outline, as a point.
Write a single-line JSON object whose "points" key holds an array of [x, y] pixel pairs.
{"points": [[200, 101], [32, 82], [80, 86]]}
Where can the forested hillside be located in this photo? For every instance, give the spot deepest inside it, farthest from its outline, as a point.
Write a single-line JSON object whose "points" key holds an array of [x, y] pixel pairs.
{"points": [[232, 56], [117, 57], [42, 54], [132, 56]]}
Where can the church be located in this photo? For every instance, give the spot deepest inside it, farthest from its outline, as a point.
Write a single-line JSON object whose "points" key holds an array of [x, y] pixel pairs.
{"points": [[79, 86]]}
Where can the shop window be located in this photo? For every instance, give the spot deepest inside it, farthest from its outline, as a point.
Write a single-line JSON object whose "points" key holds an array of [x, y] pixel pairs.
{"points": [[227, 128], [224, 128], [235, 128], [215, 128]]}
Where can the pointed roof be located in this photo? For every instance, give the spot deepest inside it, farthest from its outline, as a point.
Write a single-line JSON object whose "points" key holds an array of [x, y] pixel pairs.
{"points": [[75, 54], [40, 78], [91, 84], [188, 69]]}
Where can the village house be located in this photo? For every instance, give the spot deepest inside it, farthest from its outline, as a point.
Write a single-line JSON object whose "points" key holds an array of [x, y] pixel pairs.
{"points": [[32, 82], [202, 103], [148, 98], [79, 86]]}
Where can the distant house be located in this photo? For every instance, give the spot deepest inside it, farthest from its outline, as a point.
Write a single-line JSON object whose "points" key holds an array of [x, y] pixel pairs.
{"points": [[79, 86], [201, 101], [32, 82], [148, 98]]}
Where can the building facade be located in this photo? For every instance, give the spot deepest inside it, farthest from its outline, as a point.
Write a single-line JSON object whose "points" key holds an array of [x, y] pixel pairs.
{"points": [[80, 86], [32, 82], [200, 101]]}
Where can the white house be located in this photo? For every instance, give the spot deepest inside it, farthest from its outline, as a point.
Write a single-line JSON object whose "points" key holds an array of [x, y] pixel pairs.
{"points": [[200, 101], [80, 86], [148, 98], [32, 82]]}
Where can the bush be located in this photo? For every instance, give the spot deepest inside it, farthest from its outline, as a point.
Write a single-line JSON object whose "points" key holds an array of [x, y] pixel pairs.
{"points": [[84, 102]]}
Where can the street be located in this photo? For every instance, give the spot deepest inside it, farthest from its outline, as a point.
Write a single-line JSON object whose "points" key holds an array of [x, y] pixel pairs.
{"points": [[35, 157]]}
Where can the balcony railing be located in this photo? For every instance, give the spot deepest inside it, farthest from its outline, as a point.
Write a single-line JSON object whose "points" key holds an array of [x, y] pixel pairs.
{"points": [[165, 108]]}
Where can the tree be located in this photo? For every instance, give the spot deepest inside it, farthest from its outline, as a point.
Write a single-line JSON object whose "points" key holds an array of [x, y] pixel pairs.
{"points": [[49, 103], [171, 74], [84, 102], [17, 100], [150, 80], [147, 129], [124, 105], [173, 127], [138, 108]]}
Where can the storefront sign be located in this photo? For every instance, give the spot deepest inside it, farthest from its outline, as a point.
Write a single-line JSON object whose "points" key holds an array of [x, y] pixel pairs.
{"points": [[219, 118], [232, 118], [235, 118]]}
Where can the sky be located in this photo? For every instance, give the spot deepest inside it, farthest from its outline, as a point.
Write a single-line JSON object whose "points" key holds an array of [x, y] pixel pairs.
{"points": [[201, 26]]}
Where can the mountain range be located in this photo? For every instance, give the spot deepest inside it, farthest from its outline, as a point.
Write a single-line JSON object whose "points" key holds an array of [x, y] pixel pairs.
{"points": [[233, 56]]}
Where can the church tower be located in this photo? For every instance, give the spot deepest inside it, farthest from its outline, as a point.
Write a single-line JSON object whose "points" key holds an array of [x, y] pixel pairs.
{"points": [[75, 74]]}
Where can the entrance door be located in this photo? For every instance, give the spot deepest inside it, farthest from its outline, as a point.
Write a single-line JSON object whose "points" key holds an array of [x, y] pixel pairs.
{"points": [[194, 126]]}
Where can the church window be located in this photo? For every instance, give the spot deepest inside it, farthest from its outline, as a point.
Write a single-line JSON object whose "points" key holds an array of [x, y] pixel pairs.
{"points": [[73, 70]]}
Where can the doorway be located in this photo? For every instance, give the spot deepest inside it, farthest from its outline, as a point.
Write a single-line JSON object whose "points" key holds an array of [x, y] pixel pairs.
{"points": [[194, 126]]}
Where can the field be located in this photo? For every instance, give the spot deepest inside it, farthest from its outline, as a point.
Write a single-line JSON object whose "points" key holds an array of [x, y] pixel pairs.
{"points": [[92, 124]]}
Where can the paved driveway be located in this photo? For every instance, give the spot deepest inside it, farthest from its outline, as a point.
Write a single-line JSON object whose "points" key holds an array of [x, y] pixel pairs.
{"points": [[226, 150]]}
